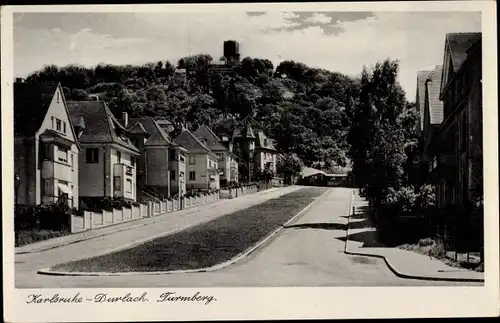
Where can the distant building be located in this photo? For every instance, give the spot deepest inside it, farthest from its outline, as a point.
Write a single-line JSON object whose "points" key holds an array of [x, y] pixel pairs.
{"points": [[232, 51], [108, 163], [228, 165], [46, 146], [161, 166], [432, 115], [202, 165], [249, 135]]}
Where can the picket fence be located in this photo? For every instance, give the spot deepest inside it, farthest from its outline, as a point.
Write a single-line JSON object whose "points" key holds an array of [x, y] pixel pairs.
{"points": [[93, 220]]}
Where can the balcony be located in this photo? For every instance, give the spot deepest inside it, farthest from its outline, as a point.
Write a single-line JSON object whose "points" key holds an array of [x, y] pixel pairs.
{"points": [[57, 170], [123, 170]]}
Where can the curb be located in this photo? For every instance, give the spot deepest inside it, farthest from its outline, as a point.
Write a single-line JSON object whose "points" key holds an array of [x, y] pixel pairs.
{"points": [[394, 270], [123, 229], [47, 271]]}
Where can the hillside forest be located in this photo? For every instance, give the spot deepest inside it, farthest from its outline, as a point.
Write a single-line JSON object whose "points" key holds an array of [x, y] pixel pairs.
{"points": [[309, 112]]}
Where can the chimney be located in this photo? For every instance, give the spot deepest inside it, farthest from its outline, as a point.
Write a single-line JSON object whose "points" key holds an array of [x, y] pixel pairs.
{"points": [[19, 80], [125, 119]]}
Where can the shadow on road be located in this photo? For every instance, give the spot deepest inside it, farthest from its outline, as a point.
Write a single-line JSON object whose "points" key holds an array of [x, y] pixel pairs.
{"points": [[324, 226], [368, 238], [362, 221]]}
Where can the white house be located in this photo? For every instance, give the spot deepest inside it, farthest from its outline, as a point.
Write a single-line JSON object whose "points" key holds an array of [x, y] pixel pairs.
{"points": [[45, 145], [108, 162], [202, 165], [228, 166], [161, 168]]}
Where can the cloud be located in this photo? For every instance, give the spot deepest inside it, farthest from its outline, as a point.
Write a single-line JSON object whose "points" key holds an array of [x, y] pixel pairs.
{"points": [[318, 18], [338, 41]]}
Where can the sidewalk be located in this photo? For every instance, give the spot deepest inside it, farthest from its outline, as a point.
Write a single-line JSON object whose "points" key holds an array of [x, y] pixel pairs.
{"points": [[91, 234], [361, 239]]}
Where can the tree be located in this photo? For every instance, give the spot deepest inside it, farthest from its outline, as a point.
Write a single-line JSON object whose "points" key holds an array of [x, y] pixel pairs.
{"points": [[290, 167]]}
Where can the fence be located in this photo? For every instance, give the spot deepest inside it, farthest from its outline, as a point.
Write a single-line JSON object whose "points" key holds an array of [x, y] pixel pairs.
{"points": [[237, 192], [94, 220]]}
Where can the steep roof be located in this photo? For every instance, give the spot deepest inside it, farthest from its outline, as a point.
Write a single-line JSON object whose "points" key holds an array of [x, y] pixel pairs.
{"points": [[31, 103], [213, 141], [100, 123], [420, 99], [157, 136], [138, 128], [433, 88], [189, 141], [459, 43], [308, 171], [264, 142]]}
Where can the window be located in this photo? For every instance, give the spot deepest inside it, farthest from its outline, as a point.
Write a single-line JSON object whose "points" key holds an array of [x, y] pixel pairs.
{"points": [[265, 142], [47, 187], [58, 125], [132, 160], [192, 160], [119, 156], [92, 155], [181, 175], [62, 155], [117, 183], [47, 152], [129, 186], [172, 175], [57, 96], [53, 122], [72, 161], [192, 176], [64, 126], [182, 159]]}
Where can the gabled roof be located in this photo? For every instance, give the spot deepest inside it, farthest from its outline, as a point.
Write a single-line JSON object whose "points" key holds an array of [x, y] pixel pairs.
{"points": [[138, 129], [420, 99], [31, 103], [264, 142], [308, 171], [250, 128], [458, 44], [189, 141], [213, 142], [157, 136], [433, 85], [100, 124], [455, 54]]}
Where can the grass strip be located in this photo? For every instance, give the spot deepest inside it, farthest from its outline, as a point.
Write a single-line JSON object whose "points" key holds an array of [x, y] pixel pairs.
{"points": [[204, 245]]}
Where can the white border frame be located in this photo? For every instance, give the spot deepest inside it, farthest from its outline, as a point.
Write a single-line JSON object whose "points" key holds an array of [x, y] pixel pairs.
{"points": [[271, 303]]}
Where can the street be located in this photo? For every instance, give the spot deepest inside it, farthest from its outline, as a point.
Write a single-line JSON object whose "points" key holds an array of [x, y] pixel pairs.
{"points": [[308, 253]]}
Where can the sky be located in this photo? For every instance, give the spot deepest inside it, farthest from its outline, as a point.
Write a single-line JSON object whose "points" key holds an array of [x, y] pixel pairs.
{"points": [[338, 41]]}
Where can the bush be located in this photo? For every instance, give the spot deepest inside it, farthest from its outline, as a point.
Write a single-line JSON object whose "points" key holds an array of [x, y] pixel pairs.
{"points": [[105, 203], [45, 216]]}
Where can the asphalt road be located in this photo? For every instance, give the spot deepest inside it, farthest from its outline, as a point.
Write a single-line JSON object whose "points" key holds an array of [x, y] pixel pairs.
{"points": [[307, 253]]}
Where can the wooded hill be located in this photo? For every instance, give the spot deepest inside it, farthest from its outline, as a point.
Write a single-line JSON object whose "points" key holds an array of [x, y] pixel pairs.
{"points": [[308, 111]]}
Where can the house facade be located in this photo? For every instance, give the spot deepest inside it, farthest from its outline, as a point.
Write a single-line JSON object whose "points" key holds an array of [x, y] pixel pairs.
{"points": [[161, 167], [46, 149], [202, 168], [458, 162], [228, 165], [108, 162], [432, 116], [249, 135]]}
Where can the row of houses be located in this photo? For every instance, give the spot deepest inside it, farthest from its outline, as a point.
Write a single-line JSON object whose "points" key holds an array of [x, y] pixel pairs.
{"points": [[449, 98], [77, 150]]}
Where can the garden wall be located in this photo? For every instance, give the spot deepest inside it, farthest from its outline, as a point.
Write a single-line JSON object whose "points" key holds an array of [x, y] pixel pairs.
{"points": [[94, 220]]}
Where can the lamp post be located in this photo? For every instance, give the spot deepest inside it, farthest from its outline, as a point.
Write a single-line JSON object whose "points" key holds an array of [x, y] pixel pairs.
{"points": [[181, 198], [17, 183], [250, 158]]}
